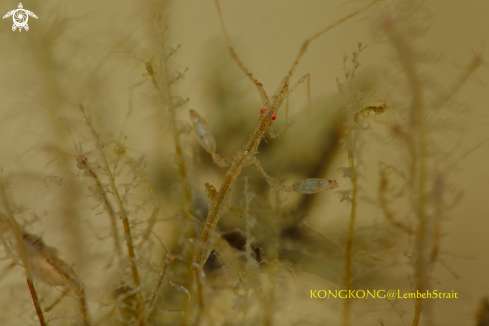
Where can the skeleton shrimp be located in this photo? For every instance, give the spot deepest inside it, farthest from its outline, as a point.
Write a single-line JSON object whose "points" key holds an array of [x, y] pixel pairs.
{"points": [[247, 155]]}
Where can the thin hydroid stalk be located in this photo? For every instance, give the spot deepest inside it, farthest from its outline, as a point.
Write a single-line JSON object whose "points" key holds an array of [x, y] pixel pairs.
{"points": [[107, 205], [383, 184], [418, 176], [110, 210], [36, 302], [22, 253], [166, 97], [353, 99], [165, 94], [349, 240], [123, 216]]}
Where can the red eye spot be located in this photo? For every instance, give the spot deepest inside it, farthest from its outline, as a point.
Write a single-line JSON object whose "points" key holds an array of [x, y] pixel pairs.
{"points": [[262, 111], [85, 158], [274, 117]]}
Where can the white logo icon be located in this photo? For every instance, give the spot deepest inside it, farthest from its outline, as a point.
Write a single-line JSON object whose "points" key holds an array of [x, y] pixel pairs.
{"points": [[20, 17]]}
